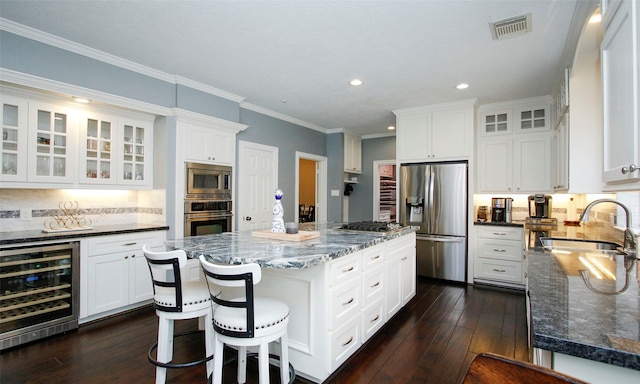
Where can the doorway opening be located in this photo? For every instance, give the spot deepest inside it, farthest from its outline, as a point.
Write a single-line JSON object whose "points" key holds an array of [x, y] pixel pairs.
{"points": [[311, 187], [384, 191]]}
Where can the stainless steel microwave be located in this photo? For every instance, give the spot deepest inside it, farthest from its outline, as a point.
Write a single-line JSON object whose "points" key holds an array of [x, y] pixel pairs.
{"points": [[206, 181]]}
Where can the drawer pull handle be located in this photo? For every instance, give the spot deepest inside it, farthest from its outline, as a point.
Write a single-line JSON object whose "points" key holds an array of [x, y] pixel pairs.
{"points": [[499, 233], [348, 302], [499, 270], [129, 244], [347, 270], [376, 257], [348, 342], [404, 258], [376, 284], [499, 250], [375, 319]]}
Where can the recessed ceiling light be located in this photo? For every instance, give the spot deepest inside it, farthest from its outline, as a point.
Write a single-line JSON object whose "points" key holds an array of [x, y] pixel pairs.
{"points": [[80, 100], [356, 82], [462, 86], [391, 127]]}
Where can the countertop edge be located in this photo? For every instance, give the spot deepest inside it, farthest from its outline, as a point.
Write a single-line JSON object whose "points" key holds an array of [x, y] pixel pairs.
{"points": [[23, 237], [586, 351]]}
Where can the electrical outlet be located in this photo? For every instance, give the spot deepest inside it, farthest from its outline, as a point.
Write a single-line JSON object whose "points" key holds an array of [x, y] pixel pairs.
{"points": [[25, 213], [335, 192]]}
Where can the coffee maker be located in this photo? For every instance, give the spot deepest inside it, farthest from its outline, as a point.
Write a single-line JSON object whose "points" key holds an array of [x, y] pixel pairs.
{"points": [[540, 206], [501, 209]]}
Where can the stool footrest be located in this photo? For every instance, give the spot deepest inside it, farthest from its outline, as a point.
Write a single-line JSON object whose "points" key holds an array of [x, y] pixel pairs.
{"points": [[176, 365]]}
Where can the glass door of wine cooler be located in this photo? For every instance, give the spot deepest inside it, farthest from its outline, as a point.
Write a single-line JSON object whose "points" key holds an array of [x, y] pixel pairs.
{"points": [[38, 292]]}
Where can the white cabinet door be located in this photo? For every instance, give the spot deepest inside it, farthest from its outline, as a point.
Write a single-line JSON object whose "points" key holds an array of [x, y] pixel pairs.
{"points": [[532, 163], [97, 145], [136, 152], [532, 118], [408, 273], [495, 122], [14, 116], [393, 278], [108, 286], [620, 98], [140, 284], [451, 134], [495, 166], [352, 154], [52, 144], [561, 155], [209, 145], [413, 134]]}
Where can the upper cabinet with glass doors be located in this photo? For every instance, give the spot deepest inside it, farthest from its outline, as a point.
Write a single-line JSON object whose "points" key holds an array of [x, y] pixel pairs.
{"points": [[14, 117], [56, 145], [52, 144]]}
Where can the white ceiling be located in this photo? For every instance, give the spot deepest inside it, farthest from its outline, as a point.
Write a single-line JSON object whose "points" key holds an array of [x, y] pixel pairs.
{"points": [[407, 53]]}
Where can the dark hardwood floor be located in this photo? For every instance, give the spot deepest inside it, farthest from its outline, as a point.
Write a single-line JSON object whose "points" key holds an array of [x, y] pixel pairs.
{"points": [[432, 340]]}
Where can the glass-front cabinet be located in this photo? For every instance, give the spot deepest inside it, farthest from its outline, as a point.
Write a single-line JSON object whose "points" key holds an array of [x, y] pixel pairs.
{"points": [[51, 138], [14, 117], [133, 165], [97, 166]]}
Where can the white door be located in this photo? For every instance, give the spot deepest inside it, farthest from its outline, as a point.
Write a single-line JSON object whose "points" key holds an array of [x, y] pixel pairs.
{"points": [[257, 182]]}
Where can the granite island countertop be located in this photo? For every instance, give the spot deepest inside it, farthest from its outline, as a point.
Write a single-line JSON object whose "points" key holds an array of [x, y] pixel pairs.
{"points": [[601, 323], [243, 248]]}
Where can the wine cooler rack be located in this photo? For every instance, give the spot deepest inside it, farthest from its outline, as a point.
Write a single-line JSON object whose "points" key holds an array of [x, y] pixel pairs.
{"points": [[38, 292]]}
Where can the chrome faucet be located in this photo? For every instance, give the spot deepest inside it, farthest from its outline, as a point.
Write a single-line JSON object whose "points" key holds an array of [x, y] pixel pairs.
{"points": [[629, 237]]}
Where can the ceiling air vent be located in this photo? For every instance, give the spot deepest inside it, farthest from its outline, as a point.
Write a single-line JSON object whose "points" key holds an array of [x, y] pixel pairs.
{"points": [[512, 27]]}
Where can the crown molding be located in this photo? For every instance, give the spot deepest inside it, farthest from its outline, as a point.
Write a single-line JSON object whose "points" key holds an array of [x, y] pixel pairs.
{"points": [[198, 118], [60, 88], [208, 89], [280, 116], [378, 135]]}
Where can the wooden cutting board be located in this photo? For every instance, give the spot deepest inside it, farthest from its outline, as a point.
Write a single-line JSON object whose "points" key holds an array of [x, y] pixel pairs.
{"points": [[300, 236]]}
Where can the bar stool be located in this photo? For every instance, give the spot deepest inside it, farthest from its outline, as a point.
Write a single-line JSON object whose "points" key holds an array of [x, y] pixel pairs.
{"points": [[175, 299], [247, 321]]}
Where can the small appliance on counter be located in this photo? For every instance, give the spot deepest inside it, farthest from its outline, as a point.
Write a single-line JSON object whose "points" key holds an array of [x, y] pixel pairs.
{"points": [[540, 206], [501, 209]]}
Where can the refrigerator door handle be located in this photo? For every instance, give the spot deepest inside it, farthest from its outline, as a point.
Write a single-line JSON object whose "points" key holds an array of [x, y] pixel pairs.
{"points": [[441, 239], [430, 215]]}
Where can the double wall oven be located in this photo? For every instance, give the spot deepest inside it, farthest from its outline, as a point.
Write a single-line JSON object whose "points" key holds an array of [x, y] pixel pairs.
{"points": [[208, 200]]}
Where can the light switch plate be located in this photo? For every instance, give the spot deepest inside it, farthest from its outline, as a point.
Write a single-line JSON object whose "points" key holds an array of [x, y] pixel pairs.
{"points": [[335, 192]]}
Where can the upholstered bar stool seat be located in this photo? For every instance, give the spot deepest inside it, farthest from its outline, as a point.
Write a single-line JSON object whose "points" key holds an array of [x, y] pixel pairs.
{"points": [[247, 321], [175, 299]]}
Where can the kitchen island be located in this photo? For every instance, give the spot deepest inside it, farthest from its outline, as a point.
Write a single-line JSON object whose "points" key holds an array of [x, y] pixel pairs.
{"points": [[341, 287], [588, 328]]}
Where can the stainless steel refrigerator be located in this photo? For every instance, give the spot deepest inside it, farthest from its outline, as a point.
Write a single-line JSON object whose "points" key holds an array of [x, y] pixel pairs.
{"points": [[433, 196]]}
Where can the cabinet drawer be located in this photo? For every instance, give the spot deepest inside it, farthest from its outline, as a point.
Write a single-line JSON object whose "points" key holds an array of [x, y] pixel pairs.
{"points": [[373, 285], [345, 341], [500, 232], [373, 257], [344, 301], [373, 318], [345, 268], [102, 245], [500, 249], [499, 270]]}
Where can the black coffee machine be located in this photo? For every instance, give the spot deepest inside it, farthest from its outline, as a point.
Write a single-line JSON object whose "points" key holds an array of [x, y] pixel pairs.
{"points": [[501, 209], [540, 206]]}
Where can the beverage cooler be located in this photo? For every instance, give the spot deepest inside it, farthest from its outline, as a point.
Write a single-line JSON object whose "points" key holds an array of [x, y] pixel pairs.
{"points": [[38, 292]]}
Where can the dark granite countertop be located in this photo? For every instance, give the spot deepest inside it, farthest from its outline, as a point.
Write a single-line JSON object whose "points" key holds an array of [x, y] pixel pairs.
{"points": [[242, 247], [21, 237], [601, 323]]}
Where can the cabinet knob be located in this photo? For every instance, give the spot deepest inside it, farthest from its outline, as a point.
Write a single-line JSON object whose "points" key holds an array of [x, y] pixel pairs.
{"points": [[212, 158], [632, 168]]}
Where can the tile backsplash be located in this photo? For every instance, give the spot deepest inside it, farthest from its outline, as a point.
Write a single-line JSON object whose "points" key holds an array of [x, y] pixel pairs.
{"points": [[32, 209]]}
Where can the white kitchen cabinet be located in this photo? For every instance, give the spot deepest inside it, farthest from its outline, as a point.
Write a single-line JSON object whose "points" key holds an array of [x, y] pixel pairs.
{"points": [[518, 160], [209, 145], [495, 122], [52, 144], [116, 150], [114, 275], [339, 305], [435, 132], [352, 153], [561, 155], [620, 79], [400, 265], [499, 255], [14, 116]]}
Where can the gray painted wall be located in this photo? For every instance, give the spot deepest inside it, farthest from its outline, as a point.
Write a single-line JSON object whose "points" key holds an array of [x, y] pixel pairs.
{"points": [[335, 175], [361, 199], [288, 138]]}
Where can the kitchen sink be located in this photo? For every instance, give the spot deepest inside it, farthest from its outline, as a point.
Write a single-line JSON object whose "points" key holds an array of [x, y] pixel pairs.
{"points": [[557, 243]]}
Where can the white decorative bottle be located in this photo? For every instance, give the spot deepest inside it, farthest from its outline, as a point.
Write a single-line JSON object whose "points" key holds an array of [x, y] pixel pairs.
{"points": [[277, 224]]}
